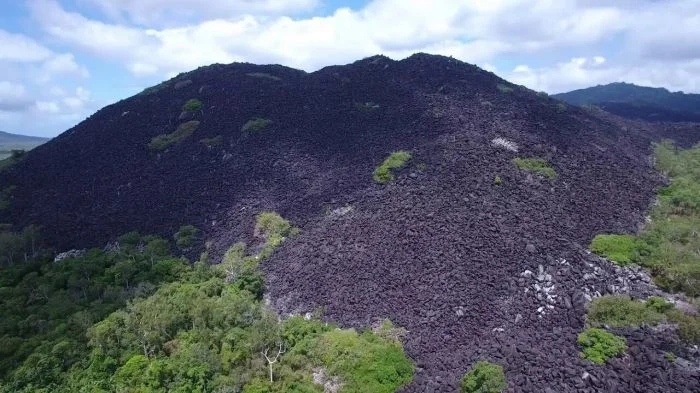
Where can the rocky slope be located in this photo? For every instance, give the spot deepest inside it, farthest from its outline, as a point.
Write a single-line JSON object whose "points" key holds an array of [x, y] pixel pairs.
{"points": [[473, 270]]}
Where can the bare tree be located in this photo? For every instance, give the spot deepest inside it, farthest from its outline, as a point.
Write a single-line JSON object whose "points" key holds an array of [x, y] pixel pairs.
{"points": [[272, 361]]}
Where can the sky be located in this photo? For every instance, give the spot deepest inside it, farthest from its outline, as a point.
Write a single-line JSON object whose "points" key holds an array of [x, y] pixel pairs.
{"points": [[62, 60]]}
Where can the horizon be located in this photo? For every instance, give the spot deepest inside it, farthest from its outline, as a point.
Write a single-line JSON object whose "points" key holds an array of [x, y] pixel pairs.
{"points": [[65, 59]]}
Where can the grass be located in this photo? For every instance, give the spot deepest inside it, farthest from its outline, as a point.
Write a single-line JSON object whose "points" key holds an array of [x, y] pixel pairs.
{"points": [[598, 345], [255, 125], [274, 229], [383, 174], [497, 181], [621, 249], [163, 141], [621, 311], [263, 75], [192, 105], [484, 377], [216, 141], [536, 165], [503, 88]]}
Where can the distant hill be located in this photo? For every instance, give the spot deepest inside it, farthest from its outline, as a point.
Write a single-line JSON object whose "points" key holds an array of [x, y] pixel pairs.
{"points": [[638, 102], [9, 142]]}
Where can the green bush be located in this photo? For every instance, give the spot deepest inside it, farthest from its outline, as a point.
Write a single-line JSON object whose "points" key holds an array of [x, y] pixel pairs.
{"points": [[185, 236], [192, 105], [497, 181], [561, 107], [383, 173], [163, 141], [599, 346], [255, 125], [484, 377], [503, 88], [537, 165], [688, 326], [622, 311], [622, 249]]}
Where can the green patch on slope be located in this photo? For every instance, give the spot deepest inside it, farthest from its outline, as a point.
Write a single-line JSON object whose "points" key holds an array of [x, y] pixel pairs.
{"points": [[384, 174], [164, 141]]}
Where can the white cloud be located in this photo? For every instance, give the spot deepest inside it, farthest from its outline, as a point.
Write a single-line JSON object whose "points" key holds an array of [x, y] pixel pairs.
{"points": [[19, 48], [13, 97], [173, 12], [62, 65]]}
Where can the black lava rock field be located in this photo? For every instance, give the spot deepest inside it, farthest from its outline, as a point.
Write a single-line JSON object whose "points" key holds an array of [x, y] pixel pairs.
{"points": [[472, 267]]}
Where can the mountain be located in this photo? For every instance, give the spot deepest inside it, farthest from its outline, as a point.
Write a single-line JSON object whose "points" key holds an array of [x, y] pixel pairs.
{"points": [[638, 102], [9, 142], [474, 254]]}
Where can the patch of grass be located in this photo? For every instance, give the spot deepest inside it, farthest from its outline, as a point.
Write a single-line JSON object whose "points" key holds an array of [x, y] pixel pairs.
{"points": [[383, 173], [561, 107], [255, 125], [497, 181], [364, 362], [670, 357], [185, 236], [623, 311], [155, 89], [621, 249], [263, 75], [484, 377], [216, 141], [192, 105], [688, 326], [598, 345], [274, 229], [503, 88], [163, 141], [536, 165]]}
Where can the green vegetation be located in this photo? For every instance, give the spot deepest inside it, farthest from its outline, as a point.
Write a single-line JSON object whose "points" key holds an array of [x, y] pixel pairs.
{"points": [[18, 247], [536, 165], [136, 319], [192, 105], [599, 346], [163, 141], [383, 173], [263, 75], [6, 196], [255, 125], [497, 181], [503, 88], [11, 157], [669, 243], [484, 377], [621, 249], [216, 141], [688, 326], [670, 357], [622, 311], [561, 107], [185, 236]]}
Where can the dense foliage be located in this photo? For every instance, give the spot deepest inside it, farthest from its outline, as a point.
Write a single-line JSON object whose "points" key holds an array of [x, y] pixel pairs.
{"points": [[598, 345], [183, 131], [384, 173], [134, 319], [484, 377]]}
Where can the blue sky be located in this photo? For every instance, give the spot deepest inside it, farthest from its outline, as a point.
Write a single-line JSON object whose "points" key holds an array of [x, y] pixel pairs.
{"points": [[64, 59]]}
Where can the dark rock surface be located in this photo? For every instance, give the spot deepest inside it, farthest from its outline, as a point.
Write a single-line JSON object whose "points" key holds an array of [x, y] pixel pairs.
{"points": [[473, 270]]}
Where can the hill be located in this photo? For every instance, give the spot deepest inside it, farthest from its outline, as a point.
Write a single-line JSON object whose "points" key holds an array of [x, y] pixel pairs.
{"points": [[472, 236], [638, 102], [9, 142]]}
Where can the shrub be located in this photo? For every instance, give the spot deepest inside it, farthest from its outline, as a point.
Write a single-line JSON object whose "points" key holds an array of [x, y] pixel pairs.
{"points": [[383, 173], [216, 141], [561, 107], [484, 377], [622, 311], [257, 124], [688, 326], [497, 180], [598, 345], [163, 141], [503, 88], [621, 249], [192, 105], [185, 236], [537, 165]]}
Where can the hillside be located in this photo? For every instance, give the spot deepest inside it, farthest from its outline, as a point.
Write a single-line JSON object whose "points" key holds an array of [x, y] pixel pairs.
{"points": [[9, 142], [477, 246], [638, 102]]}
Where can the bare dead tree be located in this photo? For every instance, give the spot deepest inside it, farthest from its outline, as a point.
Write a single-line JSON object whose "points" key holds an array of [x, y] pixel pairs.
{"points": [[272, 361]]}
